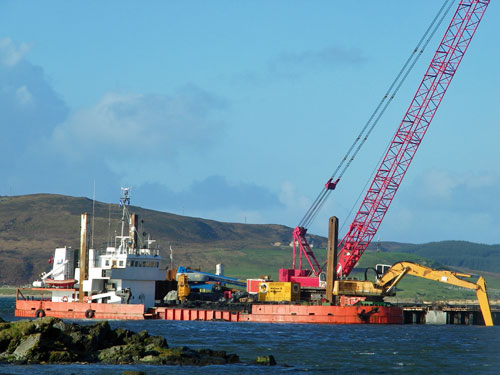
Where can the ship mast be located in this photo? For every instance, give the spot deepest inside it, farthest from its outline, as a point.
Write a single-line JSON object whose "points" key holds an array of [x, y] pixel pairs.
{"points": [[124, 201]]}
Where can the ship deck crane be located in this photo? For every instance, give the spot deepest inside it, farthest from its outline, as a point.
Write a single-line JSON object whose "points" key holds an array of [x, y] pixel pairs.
{"points": [[399, 154]]}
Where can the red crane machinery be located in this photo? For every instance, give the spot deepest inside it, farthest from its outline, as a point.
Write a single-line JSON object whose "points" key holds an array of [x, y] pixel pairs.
{"points": [[399, 154]]}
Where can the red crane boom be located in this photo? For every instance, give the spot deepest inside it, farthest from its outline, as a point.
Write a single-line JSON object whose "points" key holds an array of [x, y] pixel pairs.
{"points": [[400, 152], [410, 133]]}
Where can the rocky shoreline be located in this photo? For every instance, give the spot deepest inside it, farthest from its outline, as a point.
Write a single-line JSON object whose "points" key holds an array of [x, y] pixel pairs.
{"points": [[50, 340]]}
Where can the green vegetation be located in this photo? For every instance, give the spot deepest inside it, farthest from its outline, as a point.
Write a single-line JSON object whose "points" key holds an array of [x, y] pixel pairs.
{"points": [[252, 263], [454, 254], [255, 262], [7, 291]]}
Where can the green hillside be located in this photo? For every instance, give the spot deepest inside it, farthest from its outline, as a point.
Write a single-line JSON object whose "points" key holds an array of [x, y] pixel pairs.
{"points": [[251, 263], [416, 289], [454, 253]]}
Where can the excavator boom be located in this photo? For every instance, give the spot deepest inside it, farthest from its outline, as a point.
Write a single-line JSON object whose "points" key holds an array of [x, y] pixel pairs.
{"points": [[390, 279]]}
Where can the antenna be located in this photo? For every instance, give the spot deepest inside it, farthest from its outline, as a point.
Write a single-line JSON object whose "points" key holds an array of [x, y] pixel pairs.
{"points": [[124, 201]]}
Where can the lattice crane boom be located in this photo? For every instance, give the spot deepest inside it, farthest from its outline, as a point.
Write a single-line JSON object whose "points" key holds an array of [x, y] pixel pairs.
{"points": [[410, 133]]}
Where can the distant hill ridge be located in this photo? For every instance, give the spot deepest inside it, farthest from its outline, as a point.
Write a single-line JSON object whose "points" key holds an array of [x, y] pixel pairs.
{"points": [[461, 254], [31, 226]]}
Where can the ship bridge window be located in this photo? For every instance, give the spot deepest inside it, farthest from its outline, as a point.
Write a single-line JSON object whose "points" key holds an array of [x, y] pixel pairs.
{"points": [[120, 263], [106, 263]]}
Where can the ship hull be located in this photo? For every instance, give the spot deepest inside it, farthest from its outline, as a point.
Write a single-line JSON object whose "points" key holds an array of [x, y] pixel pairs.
{"points": [[78, 310]]}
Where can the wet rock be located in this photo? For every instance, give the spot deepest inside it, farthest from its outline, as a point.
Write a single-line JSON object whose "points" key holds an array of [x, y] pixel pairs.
{"points": [[25, 350], [61, 356], [50, 340]]}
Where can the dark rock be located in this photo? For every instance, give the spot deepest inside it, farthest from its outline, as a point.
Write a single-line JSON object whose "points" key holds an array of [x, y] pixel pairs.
{"points": [[100, 334], [50, 340], [123, 335], [158, 341], [121, 354], [61, 356]]}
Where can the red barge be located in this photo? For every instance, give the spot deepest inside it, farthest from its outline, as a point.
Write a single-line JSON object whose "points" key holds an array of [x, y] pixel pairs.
{"points": [[278, 313], [35, 307]]}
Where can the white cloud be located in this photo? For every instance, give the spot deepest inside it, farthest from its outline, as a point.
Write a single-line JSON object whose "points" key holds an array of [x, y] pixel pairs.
{"points": [[290, 198], [291, 65], [24, 96], [437, 184], [10, 53], [438, 188], [29, 106], [146, 128], [440, 205]]}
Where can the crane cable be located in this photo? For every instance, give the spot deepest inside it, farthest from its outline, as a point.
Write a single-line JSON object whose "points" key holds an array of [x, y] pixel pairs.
{"points": [[377, 113]]}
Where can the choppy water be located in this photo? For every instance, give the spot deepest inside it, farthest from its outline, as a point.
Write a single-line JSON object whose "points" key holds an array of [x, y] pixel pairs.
{"points": [[312, 349]]}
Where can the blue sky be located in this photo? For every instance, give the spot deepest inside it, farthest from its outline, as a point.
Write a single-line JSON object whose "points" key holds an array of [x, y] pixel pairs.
{"points": [[240, 111]]}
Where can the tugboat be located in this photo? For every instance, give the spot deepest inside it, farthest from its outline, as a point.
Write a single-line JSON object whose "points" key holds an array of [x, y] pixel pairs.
{"points": [[114, 283]]}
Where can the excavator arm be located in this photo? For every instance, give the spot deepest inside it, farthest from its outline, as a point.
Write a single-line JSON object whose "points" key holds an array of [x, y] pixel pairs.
{"points": [[392, 277]]}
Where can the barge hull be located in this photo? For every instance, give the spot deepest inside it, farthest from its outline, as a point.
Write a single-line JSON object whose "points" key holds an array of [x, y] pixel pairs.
{"points": [[78, 310], [271, 313]]}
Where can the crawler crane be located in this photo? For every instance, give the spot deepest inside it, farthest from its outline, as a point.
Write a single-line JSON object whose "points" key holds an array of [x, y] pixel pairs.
{"points": [[400, 152]]}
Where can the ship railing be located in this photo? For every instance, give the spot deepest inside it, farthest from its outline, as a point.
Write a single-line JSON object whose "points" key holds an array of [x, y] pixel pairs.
{"points": [[33, 297]]}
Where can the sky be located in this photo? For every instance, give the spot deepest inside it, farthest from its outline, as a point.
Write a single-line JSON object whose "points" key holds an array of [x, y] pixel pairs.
{"points": [[240, 111]]}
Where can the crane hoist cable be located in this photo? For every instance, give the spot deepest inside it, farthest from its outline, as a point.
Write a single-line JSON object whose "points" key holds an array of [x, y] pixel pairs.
{"points": [[376, 115], [410, 133]]}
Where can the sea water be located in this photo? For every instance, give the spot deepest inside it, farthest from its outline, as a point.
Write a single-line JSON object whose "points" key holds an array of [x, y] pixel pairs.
{"points": [[309, 348]]}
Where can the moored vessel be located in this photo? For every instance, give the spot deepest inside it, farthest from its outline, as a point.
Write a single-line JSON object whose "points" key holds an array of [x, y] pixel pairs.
{"points": [[117, 282]]}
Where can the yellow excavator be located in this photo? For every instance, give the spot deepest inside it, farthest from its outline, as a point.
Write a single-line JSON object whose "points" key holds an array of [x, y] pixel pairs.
{"points": [[386, 284]]}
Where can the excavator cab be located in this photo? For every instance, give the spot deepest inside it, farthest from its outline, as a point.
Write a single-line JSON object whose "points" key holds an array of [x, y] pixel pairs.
{"points": [[382, 269]]}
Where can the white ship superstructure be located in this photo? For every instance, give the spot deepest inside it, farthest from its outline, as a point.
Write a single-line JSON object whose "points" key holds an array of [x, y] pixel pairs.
{"points": [[125, 273]]}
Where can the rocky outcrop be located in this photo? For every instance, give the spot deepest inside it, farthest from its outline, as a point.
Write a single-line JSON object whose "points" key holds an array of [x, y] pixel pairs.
{"points": [[50, 340]]}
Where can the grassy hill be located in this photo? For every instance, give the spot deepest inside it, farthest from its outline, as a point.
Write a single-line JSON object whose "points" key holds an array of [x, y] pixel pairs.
{"points": [[452, 253], [32, 226], [416, 289]]}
